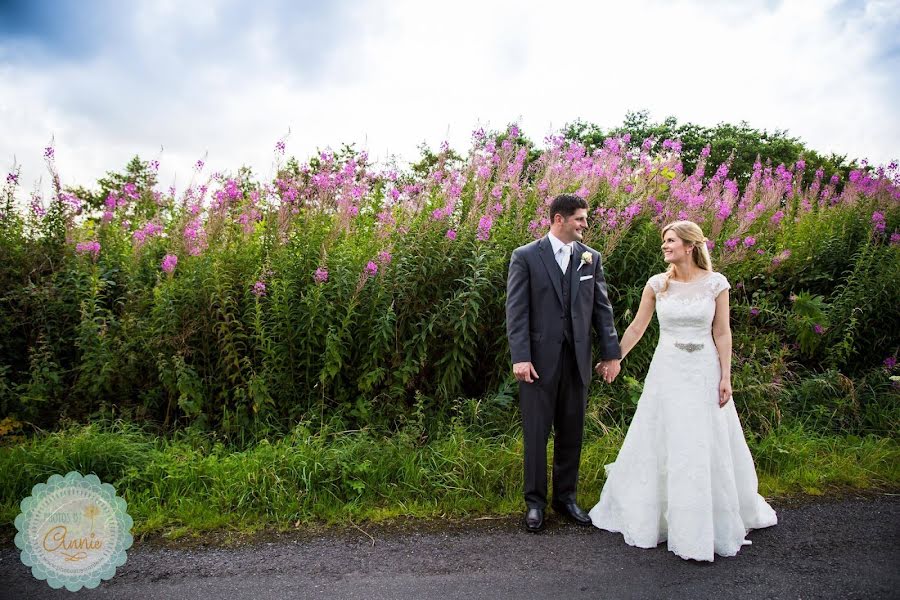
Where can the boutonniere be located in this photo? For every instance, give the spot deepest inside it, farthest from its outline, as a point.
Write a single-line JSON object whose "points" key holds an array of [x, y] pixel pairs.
{"points": [[586, 259]]}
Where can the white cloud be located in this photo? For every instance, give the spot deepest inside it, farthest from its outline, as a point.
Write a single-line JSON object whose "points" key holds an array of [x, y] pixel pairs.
{"points": [[389, 75]]}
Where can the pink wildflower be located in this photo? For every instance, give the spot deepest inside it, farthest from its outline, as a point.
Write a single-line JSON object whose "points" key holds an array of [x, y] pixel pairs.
{"points": [[92, 248], [484, 227], [169, 262]]}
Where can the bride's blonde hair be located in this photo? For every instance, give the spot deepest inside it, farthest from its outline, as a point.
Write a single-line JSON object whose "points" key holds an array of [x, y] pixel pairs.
{"points": [[690, 233]]}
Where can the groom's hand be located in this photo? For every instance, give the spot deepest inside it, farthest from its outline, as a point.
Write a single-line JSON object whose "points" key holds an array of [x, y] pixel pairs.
{"points": [[524, 371], [608, 369]]}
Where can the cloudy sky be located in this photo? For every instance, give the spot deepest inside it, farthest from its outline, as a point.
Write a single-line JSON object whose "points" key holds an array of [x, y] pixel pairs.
{"points": [[180, 80]]}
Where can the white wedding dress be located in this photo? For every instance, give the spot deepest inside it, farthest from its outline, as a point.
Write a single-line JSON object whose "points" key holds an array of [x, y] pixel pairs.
{"points": [[684, 473]]}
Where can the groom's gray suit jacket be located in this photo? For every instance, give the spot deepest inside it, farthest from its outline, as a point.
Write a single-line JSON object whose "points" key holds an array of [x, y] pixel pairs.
{"points": [[535, 319]]}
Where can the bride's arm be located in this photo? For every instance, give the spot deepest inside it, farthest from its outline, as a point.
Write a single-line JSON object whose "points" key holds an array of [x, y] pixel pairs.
{"points": [[721, 330], [640, 321]]}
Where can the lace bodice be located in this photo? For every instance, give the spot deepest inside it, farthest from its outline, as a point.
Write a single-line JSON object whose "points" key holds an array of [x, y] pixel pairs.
{"points": [[686, 310]]}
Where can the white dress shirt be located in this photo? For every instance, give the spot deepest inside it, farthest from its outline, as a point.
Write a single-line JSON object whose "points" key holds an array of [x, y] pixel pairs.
{"points": [[561, 252]]}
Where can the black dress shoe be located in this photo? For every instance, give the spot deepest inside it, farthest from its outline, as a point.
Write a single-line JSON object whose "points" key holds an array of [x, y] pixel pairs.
{"points": [[573, 512], [534, 520]]}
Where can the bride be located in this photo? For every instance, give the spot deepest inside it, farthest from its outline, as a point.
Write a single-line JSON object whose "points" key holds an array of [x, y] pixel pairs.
{"points": [[684, 473]]}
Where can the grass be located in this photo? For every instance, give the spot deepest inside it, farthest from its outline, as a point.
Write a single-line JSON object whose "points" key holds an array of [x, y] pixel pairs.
{"points": [[191, 483]]}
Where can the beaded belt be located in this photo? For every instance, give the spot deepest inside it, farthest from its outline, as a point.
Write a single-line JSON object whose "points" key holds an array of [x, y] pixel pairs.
{"points": [[689, 347]]}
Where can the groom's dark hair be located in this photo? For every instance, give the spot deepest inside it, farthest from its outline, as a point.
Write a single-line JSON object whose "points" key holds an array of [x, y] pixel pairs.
{"points": [[566, 205]]}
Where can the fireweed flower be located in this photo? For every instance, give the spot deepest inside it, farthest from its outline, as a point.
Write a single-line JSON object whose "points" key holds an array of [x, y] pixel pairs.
{"points": [[169, 262], [818, 329], [371, 269], [777, 217], [71, 199], [731, 244], [754, 311], [49, 152], [149, 230], [878, 221], [12, 178], [195, 237], [484, 228], [676, 146], [890, 362], [37, 207], [131, 191], [385, 217], [895, 238], [321, 275], [259, 288], [92, 248], [451, 235], [731, 187], [384, 257], [749, 241]]}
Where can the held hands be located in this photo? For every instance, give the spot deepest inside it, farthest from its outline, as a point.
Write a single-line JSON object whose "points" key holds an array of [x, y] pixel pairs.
{"points": [[724, 392], [524, 371], [608, 369]]}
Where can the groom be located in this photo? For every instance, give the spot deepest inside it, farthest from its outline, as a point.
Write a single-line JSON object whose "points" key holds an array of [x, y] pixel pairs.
{"points": [[554, 295]]}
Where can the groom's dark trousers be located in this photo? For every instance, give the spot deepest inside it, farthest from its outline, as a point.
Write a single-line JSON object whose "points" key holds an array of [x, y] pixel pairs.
{"points": [[549, 317], [560, 402]]}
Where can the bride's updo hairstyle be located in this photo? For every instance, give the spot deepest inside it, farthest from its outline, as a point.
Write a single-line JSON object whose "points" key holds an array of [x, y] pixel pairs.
{"points": [[691, 234]]}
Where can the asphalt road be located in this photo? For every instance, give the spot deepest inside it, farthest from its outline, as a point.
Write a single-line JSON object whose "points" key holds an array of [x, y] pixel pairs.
{"points": [[829, 548]]}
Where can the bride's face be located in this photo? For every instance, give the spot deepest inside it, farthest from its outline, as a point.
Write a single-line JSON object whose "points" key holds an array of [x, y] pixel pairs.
{"points": [[675, 249]]}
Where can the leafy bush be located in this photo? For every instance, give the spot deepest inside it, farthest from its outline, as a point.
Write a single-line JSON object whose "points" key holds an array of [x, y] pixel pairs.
{"points": [[339, 291]]}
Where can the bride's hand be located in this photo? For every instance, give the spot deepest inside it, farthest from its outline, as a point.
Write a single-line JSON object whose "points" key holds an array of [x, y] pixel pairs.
{"points": [[724, 392]]}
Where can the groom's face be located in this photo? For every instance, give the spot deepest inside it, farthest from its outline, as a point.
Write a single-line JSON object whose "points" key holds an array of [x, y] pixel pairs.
{"points": [[571, 228]]}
